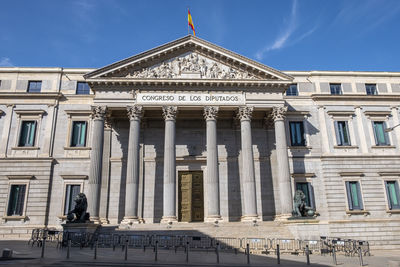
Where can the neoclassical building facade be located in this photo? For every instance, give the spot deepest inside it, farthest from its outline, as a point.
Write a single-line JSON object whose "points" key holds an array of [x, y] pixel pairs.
{"points": [[190, 132]]}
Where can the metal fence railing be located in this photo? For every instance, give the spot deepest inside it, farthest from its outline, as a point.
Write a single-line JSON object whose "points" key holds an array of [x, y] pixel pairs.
{"points": [[324, 245]]}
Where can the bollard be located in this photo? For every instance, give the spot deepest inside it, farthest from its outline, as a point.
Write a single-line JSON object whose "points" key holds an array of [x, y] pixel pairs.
{"points": [[126, 249], [156, 251], [68, 247], [96, 243], [278, 254], [334, 255], [308, 255], [187, 251], [217, 251], [248, 253], [43, 246], [360, 256]]}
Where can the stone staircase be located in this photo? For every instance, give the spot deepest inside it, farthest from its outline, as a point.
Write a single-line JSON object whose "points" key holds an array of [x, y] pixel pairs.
{"points": [[267, 229]]}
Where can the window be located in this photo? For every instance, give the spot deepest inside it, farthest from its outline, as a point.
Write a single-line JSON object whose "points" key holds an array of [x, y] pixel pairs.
{"points": [[381, 136], [371, 89], [342, 133], [27, 134], [16, 200], [308, 191], [336, 88], [354, 195], [78, 138], [392, 192], [82, 88], [34, 86], [292, 90], [72, 190], [297, 133]]}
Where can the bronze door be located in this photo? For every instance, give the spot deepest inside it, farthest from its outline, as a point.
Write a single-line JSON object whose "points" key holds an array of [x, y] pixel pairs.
{"points": [[190, 197]]}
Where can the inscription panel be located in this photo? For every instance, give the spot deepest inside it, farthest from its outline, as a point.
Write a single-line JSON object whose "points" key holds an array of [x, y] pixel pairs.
{"points": [[189, 99]]}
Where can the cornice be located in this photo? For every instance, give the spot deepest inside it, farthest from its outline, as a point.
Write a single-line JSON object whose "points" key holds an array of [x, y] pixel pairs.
{"points": [[382, 74], [194, 44], [19, 95], [45, 70], [352, 97], [186, 82]]}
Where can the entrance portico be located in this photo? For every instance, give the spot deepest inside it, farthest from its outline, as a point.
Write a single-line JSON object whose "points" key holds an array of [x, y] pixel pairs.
{"points": [[215, 95]]}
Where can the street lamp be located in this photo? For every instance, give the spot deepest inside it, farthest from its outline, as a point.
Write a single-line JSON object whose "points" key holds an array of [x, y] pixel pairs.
{"points": [[391, 128]]}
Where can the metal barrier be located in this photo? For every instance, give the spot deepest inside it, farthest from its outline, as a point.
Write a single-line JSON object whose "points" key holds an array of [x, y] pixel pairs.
{"points": [[255, 244], [167, 241], [199, 242], [227, 243], [314, 246], [287, 245], [138, 241]]}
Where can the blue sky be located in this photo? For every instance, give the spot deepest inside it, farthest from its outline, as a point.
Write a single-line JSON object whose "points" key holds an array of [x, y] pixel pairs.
{"points": [[286, 35]]}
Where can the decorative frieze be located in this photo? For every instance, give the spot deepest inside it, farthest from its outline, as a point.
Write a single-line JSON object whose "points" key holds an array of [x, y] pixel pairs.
{"points": [[135, 112], [169, 112], [194, 63], [210, 113]]}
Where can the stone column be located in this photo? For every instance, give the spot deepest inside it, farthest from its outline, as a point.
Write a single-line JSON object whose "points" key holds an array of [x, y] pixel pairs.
{"points": [[248, 177], [169, 190], [93, 197], [105, 175], [132, 173], [212, 178], [285, 190]]}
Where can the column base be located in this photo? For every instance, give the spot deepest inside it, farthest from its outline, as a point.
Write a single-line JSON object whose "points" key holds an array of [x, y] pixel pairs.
{"points": [[95, 220], [169, 219], [104, 221], [282, 217], [213, 219], [250, 218], [130, 220]]}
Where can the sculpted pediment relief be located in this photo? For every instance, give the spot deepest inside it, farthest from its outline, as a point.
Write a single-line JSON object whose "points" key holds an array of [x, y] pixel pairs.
{"points": [[190, 65]]}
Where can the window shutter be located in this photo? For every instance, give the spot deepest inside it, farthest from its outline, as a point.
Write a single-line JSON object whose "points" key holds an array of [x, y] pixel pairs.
{"points": [[348, 191], [20, 200], [338, 139], [388, 195], [360, 200], [83, 134], [347, 133], [374, 128], [32, 131]]}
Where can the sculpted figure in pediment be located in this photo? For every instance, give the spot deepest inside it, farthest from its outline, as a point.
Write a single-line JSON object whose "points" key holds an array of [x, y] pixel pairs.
{"points": [[194, 63]]}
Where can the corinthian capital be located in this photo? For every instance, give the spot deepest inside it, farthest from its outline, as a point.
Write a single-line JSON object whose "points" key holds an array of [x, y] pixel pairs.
{"points": [[169, 112], [245, 113], [134, 112], [210, 112], [98, 112], [279, 113]]}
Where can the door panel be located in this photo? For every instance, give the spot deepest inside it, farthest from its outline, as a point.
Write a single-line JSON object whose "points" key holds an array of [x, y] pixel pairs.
{"points": [[190, 196], [185, 184]]}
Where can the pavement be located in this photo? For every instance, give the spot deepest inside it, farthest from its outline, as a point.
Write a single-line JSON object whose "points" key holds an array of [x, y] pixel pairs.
{"points": [[26, 255]]}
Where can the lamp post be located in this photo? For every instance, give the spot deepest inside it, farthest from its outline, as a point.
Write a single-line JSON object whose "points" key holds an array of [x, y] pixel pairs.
{"points": [[391, 128]]}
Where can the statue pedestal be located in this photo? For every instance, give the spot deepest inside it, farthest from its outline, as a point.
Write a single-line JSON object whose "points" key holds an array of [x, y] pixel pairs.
{"points": [[79, 233]]}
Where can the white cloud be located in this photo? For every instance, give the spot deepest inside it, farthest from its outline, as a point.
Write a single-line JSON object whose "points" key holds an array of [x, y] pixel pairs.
{"points": [[6, 62], [285, 37]]}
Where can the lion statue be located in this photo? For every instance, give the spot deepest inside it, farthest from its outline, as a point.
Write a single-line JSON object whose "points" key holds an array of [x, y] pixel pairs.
{"points": [[79, 214], [300, 209]]}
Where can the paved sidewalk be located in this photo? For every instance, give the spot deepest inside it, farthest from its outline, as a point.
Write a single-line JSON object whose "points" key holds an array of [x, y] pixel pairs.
{"points": [[25, 255]]}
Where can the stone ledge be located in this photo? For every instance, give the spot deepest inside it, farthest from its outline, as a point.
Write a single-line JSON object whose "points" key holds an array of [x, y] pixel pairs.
{"points": [[357, 212]]}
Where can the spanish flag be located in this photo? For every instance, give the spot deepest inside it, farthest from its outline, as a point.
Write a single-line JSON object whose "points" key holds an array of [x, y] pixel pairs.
{"points": [[190, 21]]}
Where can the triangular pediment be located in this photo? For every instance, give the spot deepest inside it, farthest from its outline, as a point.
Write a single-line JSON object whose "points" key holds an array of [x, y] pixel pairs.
{"points": [[188, 58]]}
